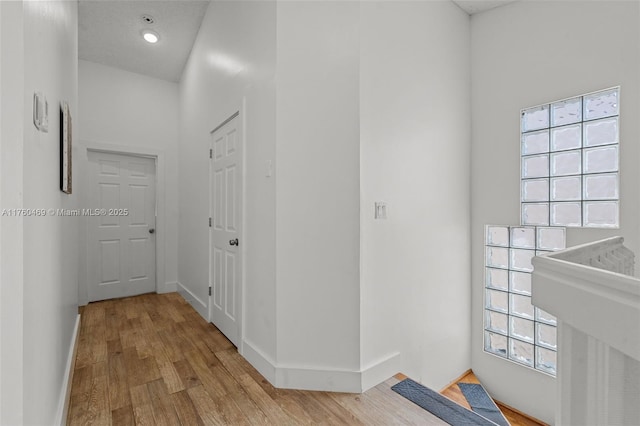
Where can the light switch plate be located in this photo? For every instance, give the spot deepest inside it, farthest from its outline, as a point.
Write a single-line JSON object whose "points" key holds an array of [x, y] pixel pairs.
{"points": [[40, 112], [269, 169], [380, 210]]}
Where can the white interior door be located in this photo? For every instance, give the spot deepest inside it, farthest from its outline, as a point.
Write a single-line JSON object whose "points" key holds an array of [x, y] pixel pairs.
{"points": [[121, 255], [225, 263]]}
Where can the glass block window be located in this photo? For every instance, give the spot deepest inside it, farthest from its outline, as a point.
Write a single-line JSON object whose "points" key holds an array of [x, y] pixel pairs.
{"points": [[513, 328], [569, 162]]}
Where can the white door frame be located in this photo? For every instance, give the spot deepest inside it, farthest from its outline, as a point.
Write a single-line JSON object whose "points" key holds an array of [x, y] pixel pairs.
{"points": [[242, 235], [161, 228]]}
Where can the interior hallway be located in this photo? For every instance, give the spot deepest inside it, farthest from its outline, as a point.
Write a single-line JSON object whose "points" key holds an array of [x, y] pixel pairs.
{"points": [[419, 109], [152, 359]]}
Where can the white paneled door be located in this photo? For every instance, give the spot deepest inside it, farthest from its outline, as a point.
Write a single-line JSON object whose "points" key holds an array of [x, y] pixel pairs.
{"points": [[225, 263], [121, 256]]}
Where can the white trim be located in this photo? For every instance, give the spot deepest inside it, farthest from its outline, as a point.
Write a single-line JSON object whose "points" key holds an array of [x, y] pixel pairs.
{"points": [[320, 379], [243, 234], [168, 288], [598, 313], [380, 371], [159, 156], [259, 360], [65, 391], [193, 300], [293, 377], [573, 292]]}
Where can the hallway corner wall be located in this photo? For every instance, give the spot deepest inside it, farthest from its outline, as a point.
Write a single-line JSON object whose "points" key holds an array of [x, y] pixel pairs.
{"points": [[415, 156], [232, 63], [318, 193]]}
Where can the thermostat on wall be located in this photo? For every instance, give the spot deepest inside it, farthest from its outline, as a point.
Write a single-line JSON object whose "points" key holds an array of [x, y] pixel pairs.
{"points": [[40, 112]]}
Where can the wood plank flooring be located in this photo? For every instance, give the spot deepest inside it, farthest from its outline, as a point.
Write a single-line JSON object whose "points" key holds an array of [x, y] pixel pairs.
{"points": [[514, 417], [152, 360]]}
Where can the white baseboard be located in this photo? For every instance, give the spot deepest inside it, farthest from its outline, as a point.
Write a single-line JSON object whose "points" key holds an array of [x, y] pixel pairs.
{"points": [[320, 379], [259, 360], [171, 287], [304, 378], [380, 371], [200, 306], [287, 377], [65, 391]]}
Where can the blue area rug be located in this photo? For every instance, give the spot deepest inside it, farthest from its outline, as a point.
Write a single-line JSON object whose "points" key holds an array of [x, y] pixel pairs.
{"points": [[438, 405], [482, 403]]}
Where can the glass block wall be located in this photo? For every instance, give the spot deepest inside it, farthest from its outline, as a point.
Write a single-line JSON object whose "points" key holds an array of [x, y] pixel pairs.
{"points": [[569, 162], [513, 328]]}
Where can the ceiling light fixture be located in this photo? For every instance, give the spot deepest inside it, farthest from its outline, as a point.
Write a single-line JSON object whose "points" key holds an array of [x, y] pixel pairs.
{"points": [[150, 36]]}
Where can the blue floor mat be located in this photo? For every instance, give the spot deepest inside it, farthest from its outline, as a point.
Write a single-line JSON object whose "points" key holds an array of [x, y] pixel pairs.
{"points": [[438, 405], [482, 403]]}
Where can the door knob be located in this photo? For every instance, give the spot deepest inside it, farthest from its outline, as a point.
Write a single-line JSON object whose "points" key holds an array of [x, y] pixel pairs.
{"points": [[234, 242], [151, 231]]}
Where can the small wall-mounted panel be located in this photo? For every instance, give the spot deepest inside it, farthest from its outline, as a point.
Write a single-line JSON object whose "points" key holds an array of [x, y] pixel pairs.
{"points": [[380, 210], [40, 112]]}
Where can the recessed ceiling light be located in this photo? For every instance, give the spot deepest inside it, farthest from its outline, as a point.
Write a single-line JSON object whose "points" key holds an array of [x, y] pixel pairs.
{"points": [[150, 36]]}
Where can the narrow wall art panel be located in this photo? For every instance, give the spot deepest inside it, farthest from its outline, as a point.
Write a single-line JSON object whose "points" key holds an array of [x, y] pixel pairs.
{"points": [[65, 148]]}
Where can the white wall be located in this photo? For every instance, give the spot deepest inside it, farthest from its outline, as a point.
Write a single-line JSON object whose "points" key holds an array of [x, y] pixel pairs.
{"points": [[233, 60], [121, 110], [415, 143], [335, 92], [318, 172], [50, 252], [1, 280], [529, 53], [11, 195]]}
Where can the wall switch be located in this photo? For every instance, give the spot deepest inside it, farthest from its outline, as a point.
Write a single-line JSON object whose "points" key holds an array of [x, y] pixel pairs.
{"points": [[380, 210], [40, 112]]}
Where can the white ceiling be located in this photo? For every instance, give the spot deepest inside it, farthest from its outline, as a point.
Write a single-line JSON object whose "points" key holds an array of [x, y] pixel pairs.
{"points": [[110, 33], [476, 6]]}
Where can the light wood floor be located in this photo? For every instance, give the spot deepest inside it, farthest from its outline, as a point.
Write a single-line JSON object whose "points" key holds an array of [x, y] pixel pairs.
{"points": [[514, 417], [152, 360]]}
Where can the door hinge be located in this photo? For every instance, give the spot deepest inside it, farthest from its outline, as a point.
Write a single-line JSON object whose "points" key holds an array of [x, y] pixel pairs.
{"points": [[210, 153], [209, 222], [209, 291]]}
